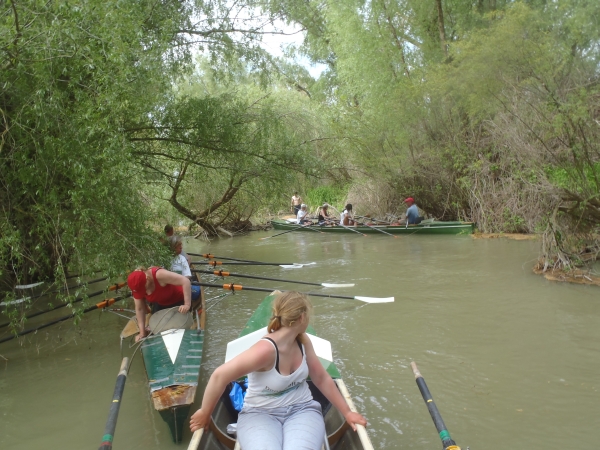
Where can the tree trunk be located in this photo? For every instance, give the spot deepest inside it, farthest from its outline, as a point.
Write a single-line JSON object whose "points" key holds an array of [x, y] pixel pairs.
{"points": [[440, 12]]}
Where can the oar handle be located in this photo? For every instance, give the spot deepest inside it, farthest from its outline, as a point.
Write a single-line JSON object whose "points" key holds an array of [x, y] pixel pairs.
{"points": [[195, 442], [111, 423], [440, 426], [221, 273]]}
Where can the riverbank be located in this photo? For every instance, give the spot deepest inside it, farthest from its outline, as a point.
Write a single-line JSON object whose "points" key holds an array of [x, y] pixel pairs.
{"points": [[576, 276], [513, 236]]}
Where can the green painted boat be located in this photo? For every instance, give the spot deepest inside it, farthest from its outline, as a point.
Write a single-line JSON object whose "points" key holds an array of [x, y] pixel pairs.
{"points": [[427, 227], [340, 435], [172, 358]]}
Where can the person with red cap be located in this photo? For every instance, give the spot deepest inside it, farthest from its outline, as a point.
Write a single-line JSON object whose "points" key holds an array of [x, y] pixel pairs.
{"points": [[161, 287], [412, 213]]}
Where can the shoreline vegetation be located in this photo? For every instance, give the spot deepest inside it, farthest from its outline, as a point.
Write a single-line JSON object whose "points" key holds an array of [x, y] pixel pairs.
{"points": [[117, 118]]}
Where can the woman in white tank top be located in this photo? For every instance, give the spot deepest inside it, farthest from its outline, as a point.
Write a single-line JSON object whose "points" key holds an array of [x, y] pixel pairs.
{"points": [[278, 407]]}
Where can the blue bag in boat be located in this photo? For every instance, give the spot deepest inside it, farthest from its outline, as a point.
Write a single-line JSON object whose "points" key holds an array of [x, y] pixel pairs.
{"points": [[237, 394]]}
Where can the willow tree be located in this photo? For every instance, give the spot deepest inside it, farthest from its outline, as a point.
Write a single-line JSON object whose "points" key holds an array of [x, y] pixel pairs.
{"points": [[484, 110], [220, 151], [75, 77]]}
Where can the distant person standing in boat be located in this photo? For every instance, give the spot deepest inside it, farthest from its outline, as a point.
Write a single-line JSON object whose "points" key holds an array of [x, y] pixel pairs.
{"points": [[163, 289], [279, 411], [296, 203], [302, 217], [347, 217]]}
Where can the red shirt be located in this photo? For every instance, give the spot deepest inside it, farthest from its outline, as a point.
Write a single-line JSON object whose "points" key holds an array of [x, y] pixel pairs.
{"points": [[164, 295]]}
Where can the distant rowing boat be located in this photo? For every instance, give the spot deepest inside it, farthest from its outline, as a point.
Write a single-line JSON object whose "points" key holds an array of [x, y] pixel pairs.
{"points": [[423, 228], [340, 435]]}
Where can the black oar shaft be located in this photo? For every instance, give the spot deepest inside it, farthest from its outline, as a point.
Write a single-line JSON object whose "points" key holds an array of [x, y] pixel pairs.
{"points": [[97, 280], [102, 304], [111, 423], [77, 300], [221, 273], [238, 263], [239, 287], [211, 256], [447, 441]]}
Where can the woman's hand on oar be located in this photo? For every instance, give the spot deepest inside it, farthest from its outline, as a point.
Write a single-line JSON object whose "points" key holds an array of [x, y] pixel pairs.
{"points": [[221, 273], [238, 287]]}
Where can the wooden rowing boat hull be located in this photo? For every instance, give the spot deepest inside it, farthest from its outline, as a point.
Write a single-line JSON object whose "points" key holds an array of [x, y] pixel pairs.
{"points": [[340, 435], [172, 360], [426, 228]]}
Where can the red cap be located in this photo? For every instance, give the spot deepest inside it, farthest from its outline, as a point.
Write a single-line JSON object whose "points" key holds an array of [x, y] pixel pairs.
{"points": [[137, 283], [409, 199]]}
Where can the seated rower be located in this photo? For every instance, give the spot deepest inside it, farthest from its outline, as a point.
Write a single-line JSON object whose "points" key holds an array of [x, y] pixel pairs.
{"points": [[412, 214], [302, 218], [324, 218], [347, 217], [179, 264]]}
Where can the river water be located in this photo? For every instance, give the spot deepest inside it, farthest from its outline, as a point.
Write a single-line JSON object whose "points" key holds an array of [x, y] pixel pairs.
{"points": [[512, 360]]}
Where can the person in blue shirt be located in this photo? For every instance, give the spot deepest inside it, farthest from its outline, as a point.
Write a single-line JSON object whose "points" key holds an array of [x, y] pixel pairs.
{"points": [[412, 213]]}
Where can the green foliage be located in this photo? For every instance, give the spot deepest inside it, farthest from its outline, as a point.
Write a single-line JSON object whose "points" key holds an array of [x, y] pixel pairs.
{"points": [[334, 195], [73, 76]]}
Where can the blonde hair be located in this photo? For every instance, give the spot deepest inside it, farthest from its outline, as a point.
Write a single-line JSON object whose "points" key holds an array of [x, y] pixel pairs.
{"points": [[287, 310]]}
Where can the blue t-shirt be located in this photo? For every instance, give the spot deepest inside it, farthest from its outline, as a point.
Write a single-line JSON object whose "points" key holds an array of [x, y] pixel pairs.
{"points": [[412, 214]]}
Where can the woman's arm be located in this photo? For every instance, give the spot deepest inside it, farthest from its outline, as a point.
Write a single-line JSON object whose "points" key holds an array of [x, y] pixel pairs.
{"points": [[326, 385], [260, 356], [165, 277], [140, 314]]}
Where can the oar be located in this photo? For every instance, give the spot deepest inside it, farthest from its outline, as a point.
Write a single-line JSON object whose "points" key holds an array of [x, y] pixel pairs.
{"points": [[376, 220], [447, 441], [220, 273], [351, 229], [381, 231], [285, 266], [113, 414], [114, 287], [289, 231], [196, 437], [102, 304], [211, 256], [97, 280], [238, 287]]}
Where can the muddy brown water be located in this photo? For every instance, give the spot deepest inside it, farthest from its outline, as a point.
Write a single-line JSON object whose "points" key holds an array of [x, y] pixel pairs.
{"points": [[512, 360]]}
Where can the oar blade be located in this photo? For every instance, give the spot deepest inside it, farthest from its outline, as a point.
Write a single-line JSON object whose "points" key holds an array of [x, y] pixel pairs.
{"points": [[295, 265], [375, 299], [334, 285]]}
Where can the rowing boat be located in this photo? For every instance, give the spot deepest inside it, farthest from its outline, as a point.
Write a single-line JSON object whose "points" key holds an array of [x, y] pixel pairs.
{"points": [[340, 435], [172, 358], [432, 227]]}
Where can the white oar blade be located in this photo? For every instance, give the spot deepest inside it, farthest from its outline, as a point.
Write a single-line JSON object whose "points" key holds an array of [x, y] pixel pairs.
{"points": [[375, 299], [295, 265], [28, 286], [333, 285]]}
